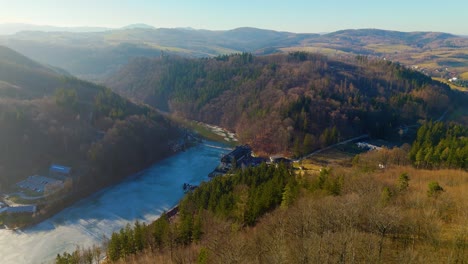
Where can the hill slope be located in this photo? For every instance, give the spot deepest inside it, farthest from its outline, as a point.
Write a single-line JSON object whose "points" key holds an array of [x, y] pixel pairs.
{"points": [[94, 54], [23, 77], [46, 117], [347, 212], [293, 102], [434, 53]]}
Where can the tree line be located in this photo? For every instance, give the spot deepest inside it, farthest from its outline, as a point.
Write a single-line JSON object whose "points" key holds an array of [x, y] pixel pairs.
{"points": [[440, 145]]}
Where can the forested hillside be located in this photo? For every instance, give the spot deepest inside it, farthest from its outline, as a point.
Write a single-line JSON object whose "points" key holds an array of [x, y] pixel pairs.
{"points": [[295, 102], [46, 118], [22, 78]]}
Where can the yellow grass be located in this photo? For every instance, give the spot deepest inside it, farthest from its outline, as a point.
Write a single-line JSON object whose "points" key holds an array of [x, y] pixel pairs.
{"points": [[389, 48], [453, 199], [464, 76], [321, 50], [452, 85], [429, 65], [173, 49], [328, 158]]}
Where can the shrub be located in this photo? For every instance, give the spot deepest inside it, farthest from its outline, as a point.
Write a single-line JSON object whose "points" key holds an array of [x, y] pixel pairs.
{"points": [[434, 189]]}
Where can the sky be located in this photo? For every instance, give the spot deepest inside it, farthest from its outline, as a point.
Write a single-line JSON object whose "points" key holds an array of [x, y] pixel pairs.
{"points": [[301, 16]]}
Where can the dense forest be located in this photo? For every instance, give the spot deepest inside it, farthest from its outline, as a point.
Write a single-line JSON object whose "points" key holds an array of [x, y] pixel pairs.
{"points": [[295, 102], [439, 145], [353, 212]]}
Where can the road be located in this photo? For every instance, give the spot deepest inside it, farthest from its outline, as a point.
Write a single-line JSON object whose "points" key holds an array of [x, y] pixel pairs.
{"points": [[442, 116], [418, 125], [357, 138]]}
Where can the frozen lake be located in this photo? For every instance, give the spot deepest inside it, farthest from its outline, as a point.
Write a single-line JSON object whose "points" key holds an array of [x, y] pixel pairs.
{"points": [[143, 197]]}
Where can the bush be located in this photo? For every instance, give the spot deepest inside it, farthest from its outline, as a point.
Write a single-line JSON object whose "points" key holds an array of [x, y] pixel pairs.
{"points": [[434, 189]]}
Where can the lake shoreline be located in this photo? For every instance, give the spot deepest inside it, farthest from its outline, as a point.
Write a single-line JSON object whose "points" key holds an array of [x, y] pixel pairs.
{"points": [[27, 221], [143, 196], [80, 194]]}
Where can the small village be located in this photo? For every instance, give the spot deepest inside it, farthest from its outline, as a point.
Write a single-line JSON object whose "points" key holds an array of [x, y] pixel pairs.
{"points": [[242, 157], [33, 190]]}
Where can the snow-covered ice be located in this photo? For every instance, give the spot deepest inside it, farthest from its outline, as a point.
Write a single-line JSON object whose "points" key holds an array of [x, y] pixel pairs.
{"points": [[143, 197]]}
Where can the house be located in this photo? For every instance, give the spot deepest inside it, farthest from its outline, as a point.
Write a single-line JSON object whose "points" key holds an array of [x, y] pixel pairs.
{"points": [[241, 156], [237, 155]]}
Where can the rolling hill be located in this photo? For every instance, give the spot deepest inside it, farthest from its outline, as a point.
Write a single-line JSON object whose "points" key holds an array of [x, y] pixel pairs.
{"points": [[288, 103], [22, 77], [434, 53], [94, 55], [13, 28]]}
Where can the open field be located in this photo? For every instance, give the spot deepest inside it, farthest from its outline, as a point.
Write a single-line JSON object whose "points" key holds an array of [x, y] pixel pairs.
{"points": [[382, 48], [464, 76], [437, 61], [315, 49], [452, 85], [338, 156]]}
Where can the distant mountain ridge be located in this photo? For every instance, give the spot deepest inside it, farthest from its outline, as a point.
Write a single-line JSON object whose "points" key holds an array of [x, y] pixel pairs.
{"points": [[13, 28], [138, 25], [93, 55]]}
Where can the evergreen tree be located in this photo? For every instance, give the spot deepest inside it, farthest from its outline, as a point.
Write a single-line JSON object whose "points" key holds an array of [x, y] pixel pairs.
{"points": [[403, 182]]}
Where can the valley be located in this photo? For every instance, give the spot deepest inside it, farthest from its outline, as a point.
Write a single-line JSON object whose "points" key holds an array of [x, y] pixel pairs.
{"points": [[48, 118], [264, 146]]}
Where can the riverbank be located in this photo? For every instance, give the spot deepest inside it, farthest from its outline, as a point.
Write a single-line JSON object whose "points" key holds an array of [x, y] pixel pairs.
{"points": [[143, 196], [192, 133], [83, 188], [207, 131]]}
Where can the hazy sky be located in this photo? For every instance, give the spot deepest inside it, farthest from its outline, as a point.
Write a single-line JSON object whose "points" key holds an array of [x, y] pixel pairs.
{"points": [[291, 15]]}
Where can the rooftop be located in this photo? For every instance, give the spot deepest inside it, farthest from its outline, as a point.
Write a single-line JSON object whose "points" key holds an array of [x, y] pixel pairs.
{"points": [[21, 209], [37, 183], [60, 169], [237, 153]]}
